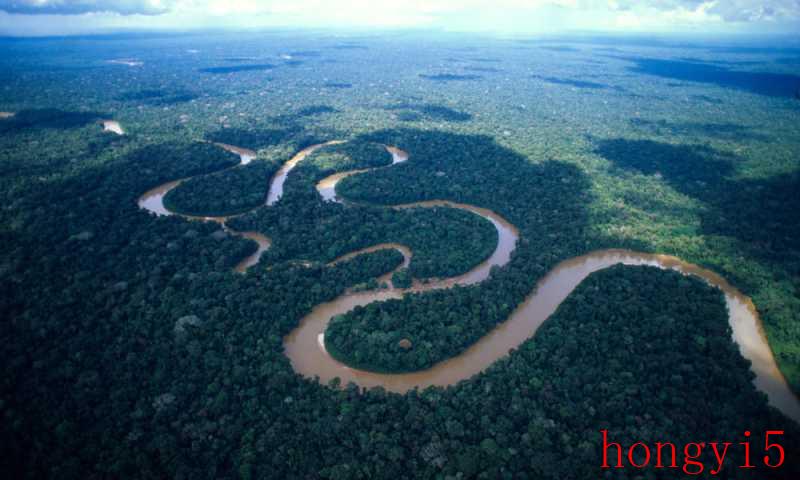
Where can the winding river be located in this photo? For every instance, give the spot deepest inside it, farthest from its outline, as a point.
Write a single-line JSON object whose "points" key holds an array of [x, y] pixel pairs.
{"points": [[153, 201], [305, 345]]}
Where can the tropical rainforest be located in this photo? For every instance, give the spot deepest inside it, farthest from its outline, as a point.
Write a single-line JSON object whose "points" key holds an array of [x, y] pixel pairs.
{"points": [[132, 349]]}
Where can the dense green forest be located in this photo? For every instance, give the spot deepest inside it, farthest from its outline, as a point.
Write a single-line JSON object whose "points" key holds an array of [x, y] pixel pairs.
{"points": [[132, 350], [348, 156], [443, 323], [445, 241], [228, 192], [561, 195]]}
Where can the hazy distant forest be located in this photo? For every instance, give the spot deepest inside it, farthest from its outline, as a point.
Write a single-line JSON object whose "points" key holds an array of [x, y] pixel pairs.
{"points": [[130, 349]]}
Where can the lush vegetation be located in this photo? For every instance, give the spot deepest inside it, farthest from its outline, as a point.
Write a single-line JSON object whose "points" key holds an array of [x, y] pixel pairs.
{"points": [[339, 157], [131, 350], [445, 322], [764, 215], [158, 97], [445, 241], [560, 193], [402, 278], [228, 192], [278, 139], [413, 112], [241, 189]]}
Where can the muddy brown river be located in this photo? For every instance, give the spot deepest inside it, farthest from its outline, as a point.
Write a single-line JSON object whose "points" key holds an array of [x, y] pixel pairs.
{"points": [[276, 186], [305, 345], [153, 201]]}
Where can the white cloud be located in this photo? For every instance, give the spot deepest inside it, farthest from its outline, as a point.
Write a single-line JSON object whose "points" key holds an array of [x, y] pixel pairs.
{"points": [[77, 7], [366, 11], [725, 10], [749, 11]]}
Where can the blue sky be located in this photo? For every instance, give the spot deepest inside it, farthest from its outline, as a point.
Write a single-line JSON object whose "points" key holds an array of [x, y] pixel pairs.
{"points": [[57, 17]]}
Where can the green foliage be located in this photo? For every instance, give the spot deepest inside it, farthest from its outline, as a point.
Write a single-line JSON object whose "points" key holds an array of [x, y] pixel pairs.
{"points": [[445, 241], [443, 323], [364, 154], [157, 97], [761, 215], [415, 112], [228, 192], [401, 278], [97, 382], [253, 139]]}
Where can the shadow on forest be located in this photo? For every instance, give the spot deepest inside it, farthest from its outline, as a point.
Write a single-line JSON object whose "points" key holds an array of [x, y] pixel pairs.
{"points": [[289, 129], [464, 168], [764, 213], [429, 111], [719, 62], [49, 118], [761, 83], [476, 169], [409, 116], [691, 167], [159, 97], [706, 98], [724, 131], [573, 83], [237, 68], [449, 77], [759, 50], [483, 69], [546, 200], [313, 110], [294, 122]]}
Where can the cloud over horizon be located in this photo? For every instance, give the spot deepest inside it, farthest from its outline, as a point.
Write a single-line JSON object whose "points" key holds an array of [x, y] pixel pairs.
{"points": [[476, 15], [727, 10], [79, 7]]}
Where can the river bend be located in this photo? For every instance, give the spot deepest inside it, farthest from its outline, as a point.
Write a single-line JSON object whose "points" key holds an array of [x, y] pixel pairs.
{"points": [[305, 345]]}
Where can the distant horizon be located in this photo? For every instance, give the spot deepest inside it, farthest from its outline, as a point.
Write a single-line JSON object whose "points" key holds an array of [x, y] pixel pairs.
{"points": [[24, 18], [788, 40]]}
